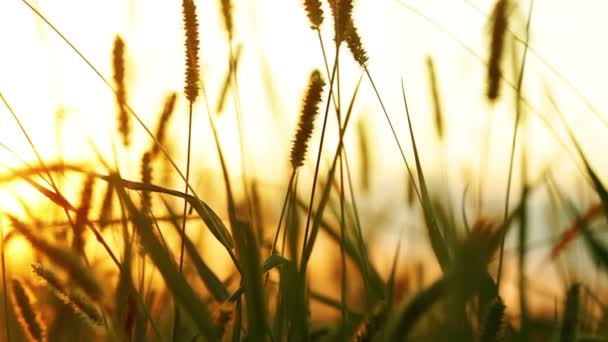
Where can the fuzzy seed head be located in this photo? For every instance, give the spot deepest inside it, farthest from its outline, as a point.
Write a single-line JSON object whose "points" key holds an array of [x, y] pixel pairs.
{"points": [[310, 109], [341, 11], [192, 45], [28, 318], [353, 41], [146, 178], [227, 14], [314, 13], [499, 26], [118, 65], [163, 123]]}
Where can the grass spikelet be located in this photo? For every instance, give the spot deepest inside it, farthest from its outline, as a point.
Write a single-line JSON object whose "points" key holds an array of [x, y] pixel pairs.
{"points": [[163, 123], [80, 274], [77, 300], [437, 108], [570, 320], [227, 16], [310, 109], [84, 307], [353, 41], [493, 321], [499, 23], [192, 44], [105, 213], [50, 278], [82, 215], [27, 317], [341, 12], [118, 66], [146, 178], [314, 13]]}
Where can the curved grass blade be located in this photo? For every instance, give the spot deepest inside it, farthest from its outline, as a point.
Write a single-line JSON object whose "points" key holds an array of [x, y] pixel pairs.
{"points": [[183, 294], [214, 284]]}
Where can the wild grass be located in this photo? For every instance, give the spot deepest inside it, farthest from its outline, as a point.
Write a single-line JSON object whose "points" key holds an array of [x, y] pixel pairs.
{"points": [[132, 259]]}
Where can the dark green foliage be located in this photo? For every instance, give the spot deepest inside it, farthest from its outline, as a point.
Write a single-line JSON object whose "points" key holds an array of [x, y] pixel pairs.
{"points": [[571, 311], [492, 325]]}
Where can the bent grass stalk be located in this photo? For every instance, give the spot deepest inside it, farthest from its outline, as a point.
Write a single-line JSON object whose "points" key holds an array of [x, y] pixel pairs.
{"points": [[514, 141]]}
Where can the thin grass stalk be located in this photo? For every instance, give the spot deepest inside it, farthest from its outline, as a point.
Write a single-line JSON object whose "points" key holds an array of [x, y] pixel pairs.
{"points": [[283, 210], [318, 161], [438, 244], [394, 133], [229, 194], [514, 141], [291, 224], [483, 162], [343, 275], [241, 134], [366, 267], [308, 247], [523, 221]]}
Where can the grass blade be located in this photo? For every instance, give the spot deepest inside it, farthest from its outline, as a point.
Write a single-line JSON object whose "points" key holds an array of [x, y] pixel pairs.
{"points": [[183, 294]]}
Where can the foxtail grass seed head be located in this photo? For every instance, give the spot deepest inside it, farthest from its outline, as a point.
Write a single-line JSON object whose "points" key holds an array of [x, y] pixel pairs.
{"points": [[192, 45], [26, 315], [499, 24], [82, 214], [80, 274], [227, 15], [353, 41], [310, 109], [105, 213], [437, 108], [84, 307], [314, 13], [49, 277], [163, 123], [118, 65], [341, 11], [493, 321], [146, 178]]}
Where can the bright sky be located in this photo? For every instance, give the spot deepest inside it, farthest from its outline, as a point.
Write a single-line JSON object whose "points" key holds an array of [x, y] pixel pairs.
{"points": [[40, 76]]}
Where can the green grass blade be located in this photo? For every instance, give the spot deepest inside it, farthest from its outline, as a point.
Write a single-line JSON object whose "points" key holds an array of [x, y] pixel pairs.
{"points": [[570, 320], [214, 284], [400, 328], [249, 259], [183, 294], [292, 293], [437, 241], [213, 222]]}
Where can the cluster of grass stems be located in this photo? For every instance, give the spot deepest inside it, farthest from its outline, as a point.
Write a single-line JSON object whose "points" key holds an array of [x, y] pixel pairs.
{"points": [[268, 294]]}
